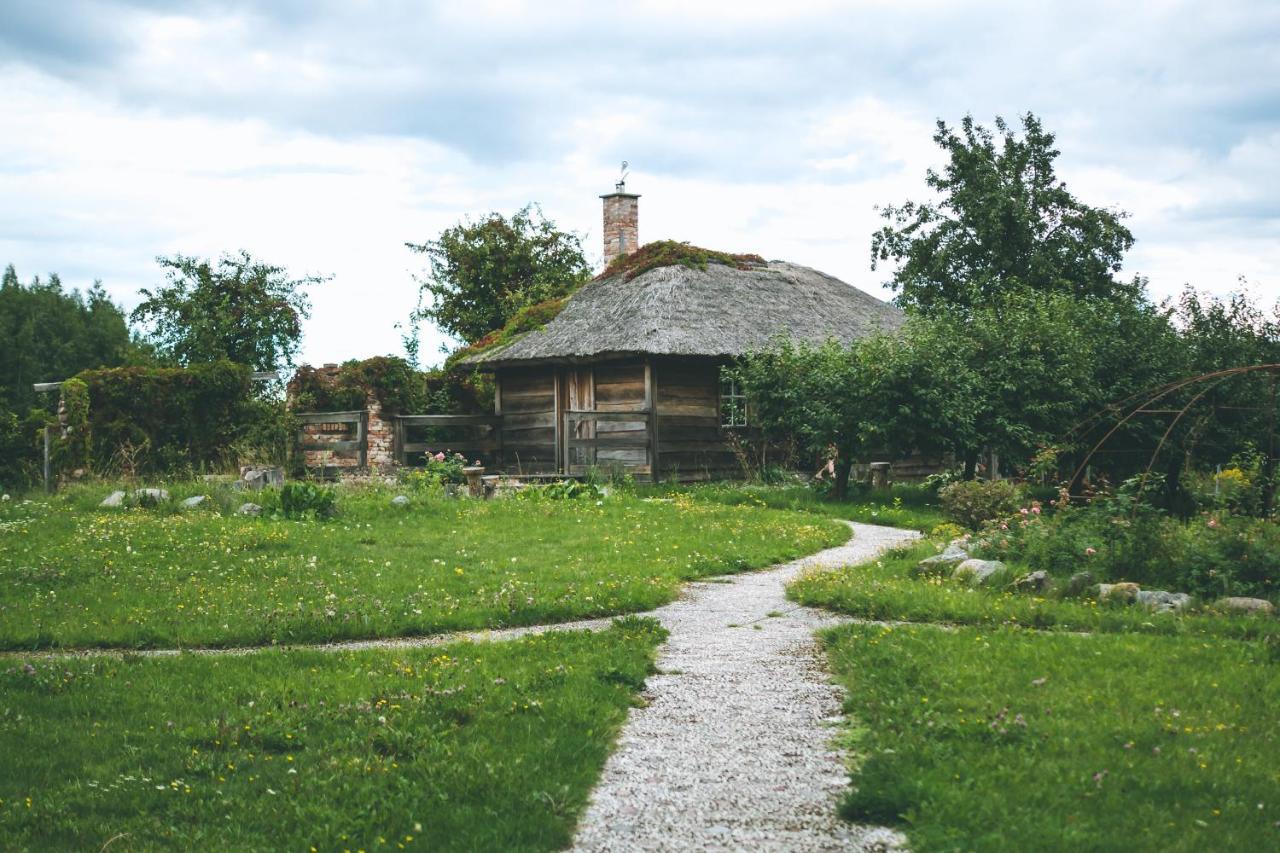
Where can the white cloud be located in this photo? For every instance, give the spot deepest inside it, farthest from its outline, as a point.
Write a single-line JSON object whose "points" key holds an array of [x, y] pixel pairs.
{"points": [[321, 137]]}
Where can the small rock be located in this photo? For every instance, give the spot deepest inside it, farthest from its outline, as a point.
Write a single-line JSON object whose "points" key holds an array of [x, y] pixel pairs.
{"points": [[977, 572], [249, 509], [1161, 601], [400, 500], [940, 564], [1124, 591], [1078, 584], [960, 544], [193, 501], [256, 477], [1251, 606], [1037, 581], [114, 499], [150, 496]]}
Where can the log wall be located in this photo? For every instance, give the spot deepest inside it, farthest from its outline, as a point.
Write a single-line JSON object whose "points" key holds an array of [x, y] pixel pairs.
{"points": [[526, 399], [691, 443]]}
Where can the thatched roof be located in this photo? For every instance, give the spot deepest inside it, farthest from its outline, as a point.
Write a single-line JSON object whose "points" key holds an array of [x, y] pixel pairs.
{"points": [[716, 311]]}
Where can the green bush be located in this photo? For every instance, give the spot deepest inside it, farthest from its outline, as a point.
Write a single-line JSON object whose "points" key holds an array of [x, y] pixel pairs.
{"points": [[302, 499], [145, 419], [1122, 538], [563, 490], [975, 502]]}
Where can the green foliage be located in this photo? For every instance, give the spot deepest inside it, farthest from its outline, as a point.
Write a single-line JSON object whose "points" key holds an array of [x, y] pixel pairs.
{"points": [[168, 419], [670, 253], [975, 502], [75, 446], [238, 309], [1123, 537], [304, 499], [443, 468], [47, 334], [1008, 376], [1005, 739], [481, 274], [469, 746], [527, 319], [563, 490], [393, 382], [1003, 220]]}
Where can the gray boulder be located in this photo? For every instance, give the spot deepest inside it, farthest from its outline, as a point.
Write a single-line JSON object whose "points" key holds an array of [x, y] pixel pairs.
{"points": [[1078, 584], [977, 572], [1124, 591], [256, 477], [116, 498], [193, 501], [1033, 582], [150, 496], [400, 500], [1247, 606], [250, 509], [1161, 601], [940, 564]]}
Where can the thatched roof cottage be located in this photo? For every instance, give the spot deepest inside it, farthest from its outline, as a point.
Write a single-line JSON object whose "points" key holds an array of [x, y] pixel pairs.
{"points": [[628, 374]]}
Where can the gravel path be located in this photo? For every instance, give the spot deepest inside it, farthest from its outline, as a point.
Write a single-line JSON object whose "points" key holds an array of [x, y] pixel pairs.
{"points": [[733, 750]]}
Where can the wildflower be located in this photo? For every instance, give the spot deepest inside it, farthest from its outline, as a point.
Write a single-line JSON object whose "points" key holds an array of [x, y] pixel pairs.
{"points": [[1213, 523]]}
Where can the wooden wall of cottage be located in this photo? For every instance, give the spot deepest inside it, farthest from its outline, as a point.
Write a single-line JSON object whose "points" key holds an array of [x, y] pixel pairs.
{"points": [[685, 422]]}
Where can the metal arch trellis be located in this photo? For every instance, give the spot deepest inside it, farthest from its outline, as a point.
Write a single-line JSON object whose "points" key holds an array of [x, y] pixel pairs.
{"points": [[1146, 398]]}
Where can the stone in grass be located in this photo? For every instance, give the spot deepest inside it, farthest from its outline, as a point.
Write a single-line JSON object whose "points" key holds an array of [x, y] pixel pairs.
{"points": [[116, 498], [1034, 582], [400, 500], [1078, 584], [150, 496], [250, 509], [1124, 591], [1162, 601], [939, 564], [977, 572], [194, 501], [1247, 606]]}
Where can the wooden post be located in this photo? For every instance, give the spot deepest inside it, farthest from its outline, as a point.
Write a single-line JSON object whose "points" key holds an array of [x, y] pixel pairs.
{"points": [[560, 422], [362, 438], [48, 463], [651, 404]]}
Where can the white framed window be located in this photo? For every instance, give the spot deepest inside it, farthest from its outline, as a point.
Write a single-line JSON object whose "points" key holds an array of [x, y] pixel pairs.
{"points": [[733, 403]]}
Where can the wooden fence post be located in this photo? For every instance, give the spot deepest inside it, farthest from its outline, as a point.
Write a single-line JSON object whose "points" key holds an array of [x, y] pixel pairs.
{"points": [[48, 464]]}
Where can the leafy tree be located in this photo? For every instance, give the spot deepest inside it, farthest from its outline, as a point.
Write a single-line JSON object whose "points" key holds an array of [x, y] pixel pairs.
{"points": [[48, 333], [891, 393], [1003, 220], [482, 273], [1008, 376], [238, 309]]}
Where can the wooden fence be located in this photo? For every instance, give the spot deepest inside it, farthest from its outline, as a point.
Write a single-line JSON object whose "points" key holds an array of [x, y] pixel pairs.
{"points": [[483, 438], [359, 442]]}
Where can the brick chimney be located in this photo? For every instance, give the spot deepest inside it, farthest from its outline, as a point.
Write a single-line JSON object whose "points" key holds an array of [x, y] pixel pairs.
{"points": [[621, 221]]}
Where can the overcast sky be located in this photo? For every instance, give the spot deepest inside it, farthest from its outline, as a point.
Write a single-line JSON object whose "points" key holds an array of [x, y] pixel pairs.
{"points": [[322, 136]]}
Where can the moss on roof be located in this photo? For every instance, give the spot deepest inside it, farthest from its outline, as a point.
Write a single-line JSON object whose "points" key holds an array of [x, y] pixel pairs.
{"points": [[668, 253]]}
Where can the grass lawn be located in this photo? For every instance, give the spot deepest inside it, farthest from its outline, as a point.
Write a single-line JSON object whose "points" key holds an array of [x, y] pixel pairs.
{"points": [[905, 506], [75, 575], [885, 589], [465, 747], [1008, 739]]}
